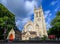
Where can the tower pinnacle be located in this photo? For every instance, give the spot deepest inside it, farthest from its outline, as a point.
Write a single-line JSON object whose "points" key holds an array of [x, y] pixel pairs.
{"points": [[34, 6]]}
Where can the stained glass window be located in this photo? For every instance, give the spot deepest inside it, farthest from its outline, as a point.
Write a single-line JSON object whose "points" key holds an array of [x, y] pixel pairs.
{"points": [[29, 27]]}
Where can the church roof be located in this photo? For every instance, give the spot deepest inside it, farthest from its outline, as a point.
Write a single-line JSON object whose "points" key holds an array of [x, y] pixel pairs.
{"points": [[31, 32], [24, 33]]}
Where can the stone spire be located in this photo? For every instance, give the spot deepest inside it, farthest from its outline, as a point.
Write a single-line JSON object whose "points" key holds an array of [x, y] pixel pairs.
{"points": [[41, 4], [34, 7]]}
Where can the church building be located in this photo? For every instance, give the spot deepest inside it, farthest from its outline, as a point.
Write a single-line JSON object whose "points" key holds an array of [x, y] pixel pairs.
{"points": [[37, 28]]}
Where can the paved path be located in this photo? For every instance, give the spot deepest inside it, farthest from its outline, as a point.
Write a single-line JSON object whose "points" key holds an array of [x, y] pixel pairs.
{"points": [[32, 42], [29, 43]]}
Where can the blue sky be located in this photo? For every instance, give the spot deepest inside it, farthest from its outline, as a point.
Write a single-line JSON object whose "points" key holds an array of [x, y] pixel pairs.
{"points": [[24, 10]]}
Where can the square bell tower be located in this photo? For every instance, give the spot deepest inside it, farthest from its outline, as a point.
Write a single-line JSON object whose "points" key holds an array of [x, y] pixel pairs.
{"points": [[39, 22]]}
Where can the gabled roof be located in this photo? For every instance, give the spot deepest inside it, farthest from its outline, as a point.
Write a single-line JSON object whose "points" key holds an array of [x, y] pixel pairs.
{"points": [[31, 32]]}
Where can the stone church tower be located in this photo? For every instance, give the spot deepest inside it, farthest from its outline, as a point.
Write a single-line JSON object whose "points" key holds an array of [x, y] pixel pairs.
{"points": [[39, 22], [36, 28]]}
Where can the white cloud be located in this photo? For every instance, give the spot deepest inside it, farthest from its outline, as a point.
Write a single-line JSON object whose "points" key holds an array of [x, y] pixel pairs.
{"points": [[56, 9], [22, 10], [21, 23], [29, 6], [54, 2], [26, 20], [48, 25], [48, 22], [50, 14], [47, 17], [47, 13]]}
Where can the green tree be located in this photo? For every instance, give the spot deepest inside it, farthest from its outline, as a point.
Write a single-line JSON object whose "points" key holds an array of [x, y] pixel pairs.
{"points": [[44, 38], [7, 19], [55, 29]]}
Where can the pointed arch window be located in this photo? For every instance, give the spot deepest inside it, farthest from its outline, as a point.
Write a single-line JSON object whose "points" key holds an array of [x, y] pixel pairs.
{"points": [[29, 27], [36, 14], [39, 14], [37, 26]]}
